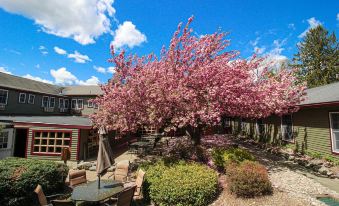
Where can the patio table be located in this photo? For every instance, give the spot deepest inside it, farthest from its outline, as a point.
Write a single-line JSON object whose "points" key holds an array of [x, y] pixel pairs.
{"points": [[90, 192]]}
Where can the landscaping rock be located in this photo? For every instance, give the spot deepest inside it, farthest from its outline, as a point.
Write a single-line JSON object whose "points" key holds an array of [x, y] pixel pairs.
{"points": [[84, 165], [93, 168], [324, 170], [291, 158]]}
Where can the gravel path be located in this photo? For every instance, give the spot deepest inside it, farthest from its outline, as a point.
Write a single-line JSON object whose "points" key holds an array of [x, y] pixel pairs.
{"points": [[289, 178]]}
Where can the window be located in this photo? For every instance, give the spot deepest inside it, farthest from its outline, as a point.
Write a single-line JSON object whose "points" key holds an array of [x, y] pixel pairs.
{"points": [[52, 102], [50, 142], [31, 98], [74, 104], [242, 125], [287, 127], [227, 122], [89, 104], [77, 104], [80, 103], [334, 123], [45, 101], [95, 106], [4, 139], [260, 126], [66, 102], [3, 96], [61, 103], [22, 97]]}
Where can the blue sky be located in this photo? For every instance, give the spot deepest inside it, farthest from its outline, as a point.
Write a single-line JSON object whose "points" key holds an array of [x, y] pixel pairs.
{"points": [[67, 42]]}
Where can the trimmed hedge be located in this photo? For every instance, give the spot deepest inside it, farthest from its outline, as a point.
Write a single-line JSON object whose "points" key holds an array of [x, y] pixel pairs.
{"points": [[249, 179], [19, 177], [180, 183], [223, 157]]}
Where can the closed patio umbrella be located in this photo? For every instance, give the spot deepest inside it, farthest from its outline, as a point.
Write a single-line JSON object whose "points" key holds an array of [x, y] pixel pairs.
{"points": [[105, 154]]}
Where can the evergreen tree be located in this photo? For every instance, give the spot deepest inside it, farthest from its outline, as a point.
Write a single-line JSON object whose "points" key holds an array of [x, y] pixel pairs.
{"points": [[318, 58]]}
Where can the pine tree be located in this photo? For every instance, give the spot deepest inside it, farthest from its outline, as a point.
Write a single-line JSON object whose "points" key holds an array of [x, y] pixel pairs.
{"points": [[318, 58]]}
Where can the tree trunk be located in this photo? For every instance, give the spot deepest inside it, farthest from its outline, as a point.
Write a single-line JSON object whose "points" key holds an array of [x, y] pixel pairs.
{"points": [[195, 134]]}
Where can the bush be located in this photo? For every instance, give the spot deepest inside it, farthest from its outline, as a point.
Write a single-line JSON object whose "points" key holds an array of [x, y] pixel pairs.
{"points": [[222, 157], [19, 177], [249, 179], [180, 183]]}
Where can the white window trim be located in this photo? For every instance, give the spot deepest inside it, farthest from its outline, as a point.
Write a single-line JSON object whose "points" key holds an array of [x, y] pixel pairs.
{"points": [[49, 102], [8, 141], [42, 101], [76, 104], [331, 129], [29, 96], [63, 101], [20, 98], [82, 105], [6, 95], [90, 104], [66, 100], [281, 129]]}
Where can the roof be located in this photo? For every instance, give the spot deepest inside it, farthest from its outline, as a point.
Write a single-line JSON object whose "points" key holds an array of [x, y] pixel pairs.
{"points": [[76, 121], [21, 83], [82, 90], [323, 94], [24, 84]]}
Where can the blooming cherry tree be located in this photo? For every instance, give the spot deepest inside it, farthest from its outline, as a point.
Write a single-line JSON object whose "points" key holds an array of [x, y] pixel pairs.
{"points": [[193, 83]]}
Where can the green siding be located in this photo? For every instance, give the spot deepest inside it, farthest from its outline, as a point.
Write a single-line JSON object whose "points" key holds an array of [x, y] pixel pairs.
{"points": [[74, 143], [311, 128]]}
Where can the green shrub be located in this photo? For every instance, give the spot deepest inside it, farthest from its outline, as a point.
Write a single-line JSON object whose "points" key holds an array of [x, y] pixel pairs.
{"points": [[180, 183], [249, 179], [221, 157], [19, 177]]}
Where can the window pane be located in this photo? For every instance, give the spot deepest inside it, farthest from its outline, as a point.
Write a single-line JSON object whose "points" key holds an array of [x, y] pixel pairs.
{"points": [[335, 120], [80, 103], [74, 103], [52, 102], [336, 141], [3, 96], [287, 119]]}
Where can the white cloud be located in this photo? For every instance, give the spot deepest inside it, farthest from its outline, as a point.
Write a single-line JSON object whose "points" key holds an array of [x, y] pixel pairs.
{"points": [[4, 70], [79, 58], [111, 70], [255, 42], [127, 35], [259, 50], [312, 24], [28, 76], [100, 69], [81, 20], [291, 26], [275, 56], [337, 16], [43, 50], [37, 66], [63, 77], [59, 50], [91, 81], [104, 70]]}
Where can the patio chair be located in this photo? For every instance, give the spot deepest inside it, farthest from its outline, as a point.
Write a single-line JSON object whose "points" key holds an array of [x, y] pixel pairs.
{"points": [[124, 198], [121, 171], [138, 183], [77, 178], [43, 199]]}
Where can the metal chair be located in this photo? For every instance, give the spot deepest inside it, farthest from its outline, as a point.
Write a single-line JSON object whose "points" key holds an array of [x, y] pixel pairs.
{"points": [[124, 198], [43, 199]]}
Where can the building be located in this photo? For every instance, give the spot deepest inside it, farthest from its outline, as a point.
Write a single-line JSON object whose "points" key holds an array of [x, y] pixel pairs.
{"points": [[314, 128], [39, 119]]}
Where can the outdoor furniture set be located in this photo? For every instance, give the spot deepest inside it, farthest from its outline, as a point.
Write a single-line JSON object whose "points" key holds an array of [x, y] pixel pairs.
{"points": [[112, 191]]}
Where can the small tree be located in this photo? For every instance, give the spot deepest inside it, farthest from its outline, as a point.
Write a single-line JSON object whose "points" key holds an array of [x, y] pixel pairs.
{"points": [[193, 84], [318, 57]]}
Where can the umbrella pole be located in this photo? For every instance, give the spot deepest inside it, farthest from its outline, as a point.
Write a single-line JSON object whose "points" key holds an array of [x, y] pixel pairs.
{"points": [[98, 181]]}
